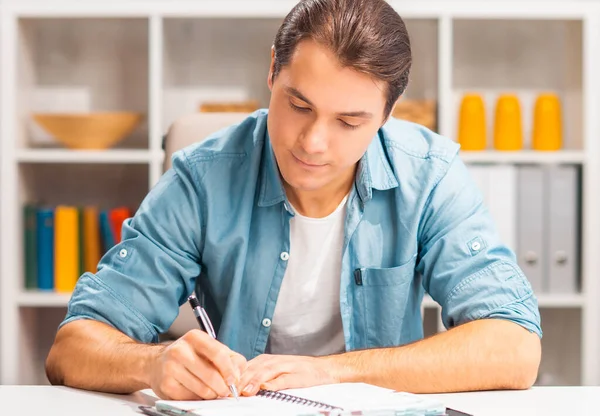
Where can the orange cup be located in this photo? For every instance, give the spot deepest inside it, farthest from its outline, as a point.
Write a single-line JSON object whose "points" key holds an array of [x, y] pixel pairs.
{"points": [[471, 123], [508, 128], [547, 123]]}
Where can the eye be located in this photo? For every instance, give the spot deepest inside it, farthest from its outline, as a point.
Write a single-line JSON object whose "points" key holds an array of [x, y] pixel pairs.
{"points": [[349, 126], [299, 109]]}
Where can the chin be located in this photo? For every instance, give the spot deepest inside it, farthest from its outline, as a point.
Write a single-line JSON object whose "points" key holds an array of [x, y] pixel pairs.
{"points": [[304, 183]]}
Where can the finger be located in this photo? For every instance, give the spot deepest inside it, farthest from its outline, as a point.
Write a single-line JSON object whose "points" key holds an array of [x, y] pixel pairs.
{"points": [[186, 356], [205, 371], [217, 353], [171, 389], [261, 372], [288, 381], [194, 384], [252, 367]]}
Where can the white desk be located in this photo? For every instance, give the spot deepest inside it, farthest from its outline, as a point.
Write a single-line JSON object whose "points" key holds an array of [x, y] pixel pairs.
{"points": [[62, 401]]}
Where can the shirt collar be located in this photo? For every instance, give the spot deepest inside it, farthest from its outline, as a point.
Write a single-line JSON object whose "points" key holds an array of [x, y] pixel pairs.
{"points": [[374, 172], [271, 189]]}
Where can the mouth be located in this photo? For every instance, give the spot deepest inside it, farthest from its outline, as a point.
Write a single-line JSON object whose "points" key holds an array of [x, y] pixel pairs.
{"points": [[308, 165]]}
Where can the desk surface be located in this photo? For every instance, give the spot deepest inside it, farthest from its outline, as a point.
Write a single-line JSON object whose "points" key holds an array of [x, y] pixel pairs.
{"points": [[63, 401]]}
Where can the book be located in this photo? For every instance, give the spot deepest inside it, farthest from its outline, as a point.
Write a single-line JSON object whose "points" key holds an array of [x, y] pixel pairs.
{"points": [[66, 248], [106, 232], [81, 240], [331, 399], [45, 248], [91, 239], [30, 239], [116, 218]]}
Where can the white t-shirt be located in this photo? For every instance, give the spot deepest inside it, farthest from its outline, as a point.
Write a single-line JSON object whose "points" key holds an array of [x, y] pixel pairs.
{"points": [[307, 318]]}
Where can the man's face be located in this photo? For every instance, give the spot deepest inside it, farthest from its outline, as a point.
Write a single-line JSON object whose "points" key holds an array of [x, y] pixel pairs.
{"points": [[322, 117]]}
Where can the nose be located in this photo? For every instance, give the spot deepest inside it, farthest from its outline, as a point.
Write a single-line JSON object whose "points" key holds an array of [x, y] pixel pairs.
{"points": [[314, 138]]}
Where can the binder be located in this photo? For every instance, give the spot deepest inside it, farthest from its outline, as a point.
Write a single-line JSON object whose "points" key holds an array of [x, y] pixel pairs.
{"points": [[530, 221], [562, 224], [502, 202]]}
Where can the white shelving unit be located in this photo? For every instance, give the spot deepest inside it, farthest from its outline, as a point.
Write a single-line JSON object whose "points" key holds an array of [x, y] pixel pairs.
{"points": [[170, 55]]}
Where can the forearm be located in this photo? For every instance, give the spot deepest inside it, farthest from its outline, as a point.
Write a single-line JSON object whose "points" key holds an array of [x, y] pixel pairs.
{"points": [[91, 355], [481, 355]]}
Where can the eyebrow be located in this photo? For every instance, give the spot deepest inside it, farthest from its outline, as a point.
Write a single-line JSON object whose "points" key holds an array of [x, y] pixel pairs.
{"points": [[362, 114]]}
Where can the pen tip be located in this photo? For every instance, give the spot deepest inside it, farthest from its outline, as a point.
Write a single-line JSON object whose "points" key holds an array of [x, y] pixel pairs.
{"points": [[234, 391]]}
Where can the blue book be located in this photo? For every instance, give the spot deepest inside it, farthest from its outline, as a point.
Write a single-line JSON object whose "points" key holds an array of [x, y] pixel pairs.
{"points": [[106, 233], [45, 248]]}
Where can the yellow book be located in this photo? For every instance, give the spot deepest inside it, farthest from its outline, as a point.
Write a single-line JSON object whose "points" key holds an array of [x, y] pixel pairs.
{"points": [[91, 239], [66, 248]]}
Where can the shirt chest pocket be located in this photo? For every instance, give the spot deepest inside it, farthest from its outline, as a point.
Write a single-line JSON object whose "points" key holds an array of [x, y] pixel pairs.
{"points": [[381, 300]]}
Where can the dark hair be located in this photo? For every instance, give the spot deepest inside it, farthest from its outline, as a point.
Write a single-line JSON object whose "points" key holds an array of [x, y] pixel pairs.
{"points": [[367, 35]]}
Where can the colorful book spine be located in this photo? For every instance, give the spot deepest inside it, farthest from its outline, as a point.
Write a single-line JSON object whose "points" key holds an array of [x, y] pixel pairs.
{"points": [[91, 239], [62, 243], [117, 216], [45, 248], [106, 232], [81, 240], [30, 248], [66, 248]]}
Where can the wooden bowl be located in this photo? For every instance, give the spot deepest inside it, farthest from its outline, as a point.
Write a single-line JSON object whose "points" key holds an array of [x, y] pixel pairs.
{"points": [[89, 131], [248, 106], [418, 111]]}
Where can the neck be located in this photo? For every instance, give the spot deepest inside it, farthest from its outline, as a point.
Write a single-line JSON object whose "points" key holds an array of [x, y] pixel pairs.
{"points": [[321, 202]]}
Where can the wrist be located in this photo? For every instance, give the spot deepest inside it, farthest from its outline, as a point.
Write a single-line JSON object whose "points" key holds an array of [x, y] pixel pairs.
{"points": [[342, 368], [149, 363]]}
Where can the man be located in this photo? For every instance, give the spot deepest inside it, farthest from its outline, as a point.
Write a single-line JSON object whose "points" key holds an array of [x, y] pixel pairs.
{"points": [[311, 231]]}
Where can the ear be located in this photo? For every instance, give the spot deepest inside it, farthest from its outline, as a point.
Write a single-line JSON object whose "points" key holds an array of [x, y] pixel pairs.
{"points": [[271, 69]]}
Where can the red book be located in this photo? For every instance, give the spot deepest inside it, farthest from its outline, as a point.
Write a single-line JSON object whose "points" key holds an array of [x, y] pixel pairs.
{"points": [[117, 216]]}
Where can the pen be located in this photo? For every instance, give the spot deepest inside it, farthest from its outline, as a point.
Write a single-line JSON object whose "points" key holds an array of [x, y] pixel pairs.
{"points": [[206, 325]]}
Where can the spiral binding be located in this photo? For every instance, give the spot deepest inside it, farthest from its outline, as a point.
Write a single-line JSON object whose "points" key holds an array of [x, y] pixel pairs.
{"points": [[276, 395]]}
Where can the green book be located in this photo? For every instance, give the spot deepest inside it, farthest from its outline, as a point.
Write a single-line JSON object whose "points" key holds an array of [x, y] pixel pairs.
{"points": [[30, 246]]}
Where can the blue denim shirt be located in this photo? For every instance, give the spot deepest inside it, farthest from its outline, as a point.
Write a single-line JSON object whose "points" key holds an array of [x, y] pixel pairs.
{"points": [[218, 222]]}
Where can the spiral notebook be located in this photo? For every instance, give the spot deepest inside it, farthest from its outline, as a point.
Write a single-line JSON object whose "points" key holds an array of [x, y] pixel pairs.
{"points": [[334, 399]]}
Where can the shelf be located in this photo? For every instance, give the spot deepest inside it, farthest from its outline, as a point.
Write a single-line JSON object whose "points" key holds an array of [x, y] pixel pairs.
{"points": [[38, 299], [544, 301], [68, 65], [279, 8], [86, 156], [525, 156]]}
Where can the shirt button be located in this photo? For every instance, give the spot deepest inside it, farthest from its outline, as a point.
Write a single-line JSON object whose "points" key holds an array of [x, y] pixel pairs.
{"points": [[266, 322], [476, 246], [284, 256], [123, 253]]}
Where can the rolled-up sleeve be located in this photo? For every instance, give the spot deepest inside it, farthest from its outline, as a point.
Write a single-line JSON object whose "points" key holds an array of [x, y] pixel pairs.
{"points": [[464, 264], [141, 282]]}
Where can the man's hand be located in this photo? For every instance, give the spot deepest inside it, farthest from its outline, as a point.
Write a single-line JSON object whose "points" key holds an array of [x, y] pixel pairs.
{"points": [[195, 367], [278, 372]]}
